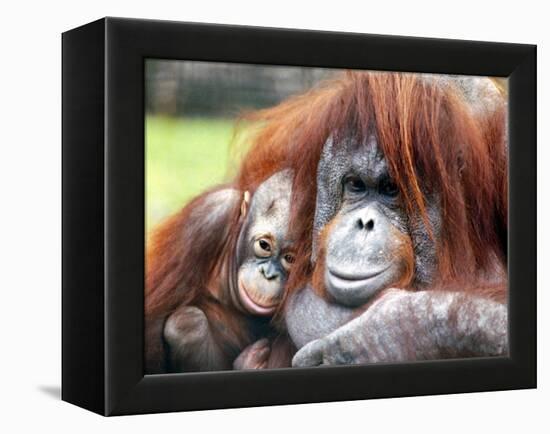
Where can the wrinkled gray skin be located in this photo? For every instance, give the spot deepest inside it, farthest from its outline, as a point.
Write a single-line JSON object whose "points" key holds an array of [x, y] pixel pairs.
{"points": [[405, 326], [255, 286], [361, 248], [361, 261], [310, 317]]}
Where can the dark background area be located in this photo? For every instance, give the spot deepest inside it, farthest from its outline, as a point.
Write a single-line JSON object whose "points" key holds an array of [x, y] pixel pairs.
{"points": [[222, 89]]}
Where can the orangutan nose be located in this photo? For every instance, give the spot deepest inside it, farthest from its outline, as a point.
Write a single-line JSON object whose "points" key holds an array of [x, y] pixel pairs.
{"points": [[367, 224], [269, 271], [368, 219]]}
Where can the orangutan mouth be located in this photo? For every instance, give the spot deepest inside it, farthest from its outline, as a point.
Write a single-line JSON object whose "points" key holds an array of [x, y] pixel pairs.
{"points": [[253, 306]]}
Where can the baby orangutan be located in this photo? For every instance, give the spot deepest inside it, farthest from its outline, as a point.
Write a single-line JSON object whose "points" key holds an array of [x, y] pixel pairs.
{"points": [[229, 326]]}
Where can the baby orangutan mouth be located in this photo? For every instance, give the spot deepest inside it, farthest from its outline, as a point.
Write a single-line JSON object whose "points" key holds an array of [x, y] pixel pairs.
{"points": [[255, 303]]}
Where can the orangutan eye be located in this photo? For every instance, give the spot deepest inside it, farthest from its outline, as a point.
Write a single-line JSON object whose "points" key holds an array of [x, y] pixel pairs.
{"points": [[262, 248], [388, 188], [354, 184], [288, 260]]}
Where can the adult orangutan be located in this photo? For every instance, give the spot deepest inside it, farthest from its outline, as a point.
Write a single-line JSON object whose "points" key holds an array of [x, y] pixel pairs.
{"points": [[410, 194], [215, 275], [412, 197]]}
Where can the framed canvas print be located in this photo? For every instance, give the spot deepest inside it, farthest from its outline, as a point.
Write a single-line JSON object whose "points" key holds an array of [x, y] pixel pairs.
{"points": [[262, 216]]}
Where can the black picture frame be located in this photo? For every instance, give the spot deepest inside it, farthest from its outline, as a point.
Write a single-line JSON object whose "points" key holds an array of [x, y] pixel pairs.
{"points": [[103, 215]]}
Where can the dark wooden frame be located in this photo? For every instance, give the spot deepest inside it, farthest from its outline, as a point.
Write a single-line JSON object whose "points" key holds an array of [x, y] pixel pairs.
{"points": [[103, 215]]}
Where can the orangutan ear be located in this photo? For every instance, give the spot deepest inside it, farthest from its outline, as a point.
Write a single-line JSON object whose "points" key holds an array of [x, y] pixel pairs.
{"points": [[244, 204]]}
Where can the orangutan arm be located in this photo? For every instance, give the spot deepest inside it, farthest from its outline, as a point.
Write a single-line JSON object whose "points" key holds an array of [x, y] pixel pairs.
{"points": [[407, 326]]}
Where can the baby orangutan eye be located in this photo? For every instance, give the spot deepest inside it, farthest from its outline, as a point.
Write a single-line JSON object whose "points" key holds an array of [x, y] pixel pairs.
{"points": [[262, 248], [288, 260]]}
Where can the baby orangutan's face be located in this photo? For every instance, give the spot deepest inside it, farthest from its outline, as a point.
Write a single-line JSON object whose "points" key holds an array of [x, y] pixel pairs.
{"points": [[265, 254], [262, 276]]}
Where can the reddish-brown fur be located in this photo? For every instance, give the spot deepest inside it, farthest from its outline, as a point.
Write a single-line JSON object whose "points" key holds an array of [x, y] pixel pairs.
{"points": [[179, 270]]}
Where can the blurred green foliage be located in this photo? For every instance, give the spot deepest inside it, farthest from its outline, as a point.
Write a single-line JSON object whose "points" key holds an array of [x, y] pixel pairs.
{"points": [[183, 157]]}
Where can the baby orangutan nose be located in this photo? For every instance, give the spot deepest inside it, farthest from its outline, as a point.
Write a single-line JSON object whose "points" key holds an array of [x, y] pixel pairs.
{"points": [[269, 271]]}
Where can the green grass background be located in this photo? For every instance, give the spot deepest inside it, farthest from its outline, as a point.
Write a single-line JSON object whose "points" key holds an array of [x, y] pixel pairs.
{"points": [[183, 157]]}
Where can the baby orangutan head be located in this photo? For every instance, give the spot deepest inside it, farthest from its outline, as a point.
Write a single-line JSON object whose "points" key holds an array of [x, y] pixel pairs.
{"points": [[264, 254]]}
